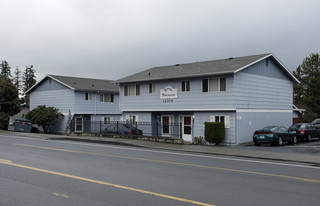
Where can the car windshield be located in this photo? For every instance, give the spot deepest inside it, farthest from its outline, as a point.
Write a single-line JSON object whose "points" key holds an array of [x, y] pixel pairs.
{"points": [[271, 128]]}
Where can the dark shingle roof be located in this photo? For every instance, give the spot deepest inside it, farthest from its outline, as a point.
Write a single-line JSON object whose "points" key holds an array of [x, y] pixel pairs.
{"points": [[82, 84], [197, 69]]}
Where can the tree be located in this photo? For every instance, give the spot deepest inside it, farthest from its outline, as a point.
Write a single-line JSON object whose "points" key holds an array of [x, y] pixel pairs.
{"points": [[5, 69], [44, 116], [28, 78], [9, 98], [17, 79], [307, 93]]}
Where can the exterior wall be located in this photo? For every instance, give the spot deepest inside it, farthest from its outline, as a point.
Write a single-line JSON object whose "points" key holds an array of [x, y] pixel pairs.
{"points": [[255, 88], [201, 117], [249, 121], [192, 100], [94, 106]]}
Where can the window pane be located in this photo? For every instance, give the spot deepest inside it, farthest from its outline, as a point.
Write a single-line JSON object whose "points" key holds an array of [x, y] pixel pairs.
{"points": [[126, 93], [101, 97], [183, 86], [222, 119], [217, 119], [205, 85], [112, 98], [223, 85], [150, 88], [131, 90], [213, 85], [137, 90], [187, 85]]}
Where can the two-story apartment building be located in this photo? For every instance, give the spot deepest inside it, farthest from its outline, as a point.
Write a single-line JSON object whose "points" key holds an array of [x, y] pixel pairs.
{"points": [[87, 100], [246, 93]]}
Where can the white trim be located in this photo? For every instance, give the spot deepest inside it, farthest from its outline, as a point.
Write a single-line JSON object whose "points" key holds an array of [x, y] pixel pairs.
{"points": [[266, 110], [179, 110]]}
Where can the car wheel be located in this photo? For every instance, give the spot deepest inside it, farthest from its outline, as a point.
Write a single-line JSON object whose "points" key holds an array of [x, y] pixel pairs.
{"points": [[309, 138], [257, 143], [280, 141]]}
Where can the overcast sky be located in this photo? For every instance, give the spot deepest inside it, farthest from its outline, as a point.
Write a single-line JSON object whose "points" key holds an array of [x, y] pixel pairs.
{"points": [[112, 39]]}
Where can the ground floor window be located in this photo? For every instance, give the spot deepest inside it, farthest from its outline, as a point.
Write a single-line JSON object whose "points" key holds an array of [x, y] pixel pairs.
{"points": [[132, 119], [225, 119], [107, 120], [78, 124]]}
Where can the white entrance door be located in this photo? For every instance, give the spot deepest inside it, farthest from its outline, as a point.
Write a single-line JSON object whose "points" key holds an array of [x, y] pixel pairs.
{"points": [[186, 124], [78, 124], [167, 125]]}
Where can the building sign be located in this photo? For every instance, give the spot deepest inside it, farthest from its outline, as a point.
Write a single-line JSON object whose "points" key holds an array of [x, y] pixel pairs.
{"points": [[168, 93]]}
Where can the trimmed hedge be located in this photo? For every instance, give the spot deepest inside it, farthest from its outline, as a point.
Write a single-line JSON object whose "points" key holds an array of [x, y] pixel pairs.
{"points": [[214, 132]]}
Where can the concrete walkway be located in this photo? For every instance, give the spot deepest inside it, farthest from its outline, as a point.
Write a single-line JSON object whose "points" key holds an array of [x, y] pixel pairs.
{"points": [[237, 150]]}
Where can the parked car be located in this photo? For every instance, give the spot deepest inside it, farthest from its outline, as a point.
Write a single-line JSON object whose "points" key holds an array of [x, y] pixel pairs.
{"points": [[275, 135], [121, 128], [316, 123], [305, 131]]}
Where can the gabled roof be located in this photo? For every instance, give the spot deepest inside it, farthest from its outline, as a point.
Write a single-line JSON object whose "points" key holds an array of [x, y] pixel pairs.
{"points": [[81, 84], [201, 69]]}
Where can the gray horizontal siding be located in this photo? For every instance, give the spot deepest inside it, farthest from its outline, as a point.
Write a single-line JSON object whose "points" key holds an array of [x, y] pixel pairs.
{"points": [[192, 100], [248, 122], [201, 117], [60, 99], [94, 106], [254, 91]]}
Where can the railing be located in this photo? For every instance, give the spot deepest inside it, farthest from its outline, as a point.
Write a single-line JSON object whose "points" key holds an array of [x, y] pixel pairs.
{"points": [[152, 129]]}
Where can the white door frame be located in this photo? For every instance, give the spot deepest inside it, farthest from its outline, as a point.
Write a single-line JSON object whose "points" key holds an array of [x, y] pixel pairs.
{"points": [[186, 137], [171, 123]]}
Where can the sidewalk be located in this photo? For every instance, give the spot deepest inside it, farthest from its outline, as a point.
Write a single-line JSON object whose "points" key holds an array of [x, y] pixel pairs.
{"points": [[237, 150]]}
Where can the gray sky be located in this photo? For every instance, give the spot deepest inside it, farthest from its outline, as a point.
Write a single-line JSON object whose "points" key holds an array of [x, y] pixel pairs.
{"points": [[112, 39]]}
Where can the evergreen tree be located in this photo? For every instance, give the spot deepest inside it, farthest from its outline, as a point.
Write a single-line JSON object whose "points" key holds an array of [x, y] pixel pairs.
{"points": [[307, 93], [9, 98], [17, 79], [28, 78], [5, 69]]}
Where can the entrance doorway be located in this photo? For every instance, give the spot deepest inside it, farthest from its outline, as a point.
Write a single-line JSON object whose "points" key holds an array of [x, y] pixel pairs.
{"points": [[167, 125], [78, 124], [186, 123]]}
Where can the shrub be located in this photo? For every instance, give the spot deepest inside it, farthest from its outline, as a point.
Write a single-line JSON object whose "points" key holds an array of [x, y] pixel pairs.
{"points": [[214, 132]]}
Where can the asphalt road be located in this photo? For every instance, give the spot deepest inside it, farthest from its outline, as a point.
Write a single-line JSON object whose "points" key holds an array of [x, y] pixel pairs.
{"points": [[42, 172]]}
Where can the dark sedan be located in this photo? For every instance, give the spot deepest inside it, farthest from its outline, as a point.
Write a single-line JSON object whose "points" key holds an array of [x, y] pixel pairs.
{"points": [[275, 135], [123, 129], [305, 131]]}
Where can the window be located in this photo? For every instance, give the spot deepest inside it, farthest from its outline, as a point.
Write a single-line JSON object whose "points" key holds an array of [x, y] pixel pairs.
{"points": [[107, 120], [152, 88], [225, 119], [106, 98], [214, 85], [132, 119], [132, 90], [185, 86], [88, 96]]}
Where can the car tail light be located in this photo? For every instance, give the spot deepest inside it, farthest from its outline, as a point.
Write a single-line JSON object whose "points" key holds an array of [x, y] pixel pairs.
{"points": [[302, 131], [130, 132]]}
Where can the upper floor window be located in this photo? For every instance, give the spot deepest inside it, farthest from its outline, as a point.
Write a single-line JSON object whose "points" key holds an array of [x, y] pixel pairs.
{"points": [[106, 98], [214, 85], [88, 96], [185, 86], [152, 88], [132, 90]]}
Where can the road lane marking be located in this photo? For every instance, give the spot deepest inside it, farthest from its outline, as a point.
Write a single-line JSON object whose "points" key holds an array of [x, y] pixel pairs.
{"points": [[60, 195], [176, 153], [3, 160], [107, 184], [175, 163]]}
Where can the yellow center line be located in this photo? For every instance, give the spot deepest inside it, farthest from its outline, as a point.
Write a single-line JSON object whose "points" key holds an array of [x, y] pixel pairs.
{"points": [[178, 163], [106, 184]]}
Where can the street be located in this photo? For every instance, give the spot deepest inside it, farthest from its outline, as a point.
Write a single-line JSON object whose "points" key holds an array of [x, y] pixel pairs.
{"points": [[45, 172]]}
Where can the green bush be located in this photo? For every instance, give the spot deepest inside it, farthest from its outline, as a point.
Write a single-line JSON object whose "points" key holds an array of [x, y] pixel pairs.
{"points": [[214, 132]]}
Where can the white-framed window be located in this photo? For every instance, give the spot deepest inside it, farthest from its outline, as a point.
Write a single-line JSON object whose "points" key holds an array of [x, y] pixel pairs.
{"points": [[225, 119], [152, 88], [214, 85], [185, 86], [88, 96], [132, 119], [106, 98], [132, 90], [107, 120]]}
